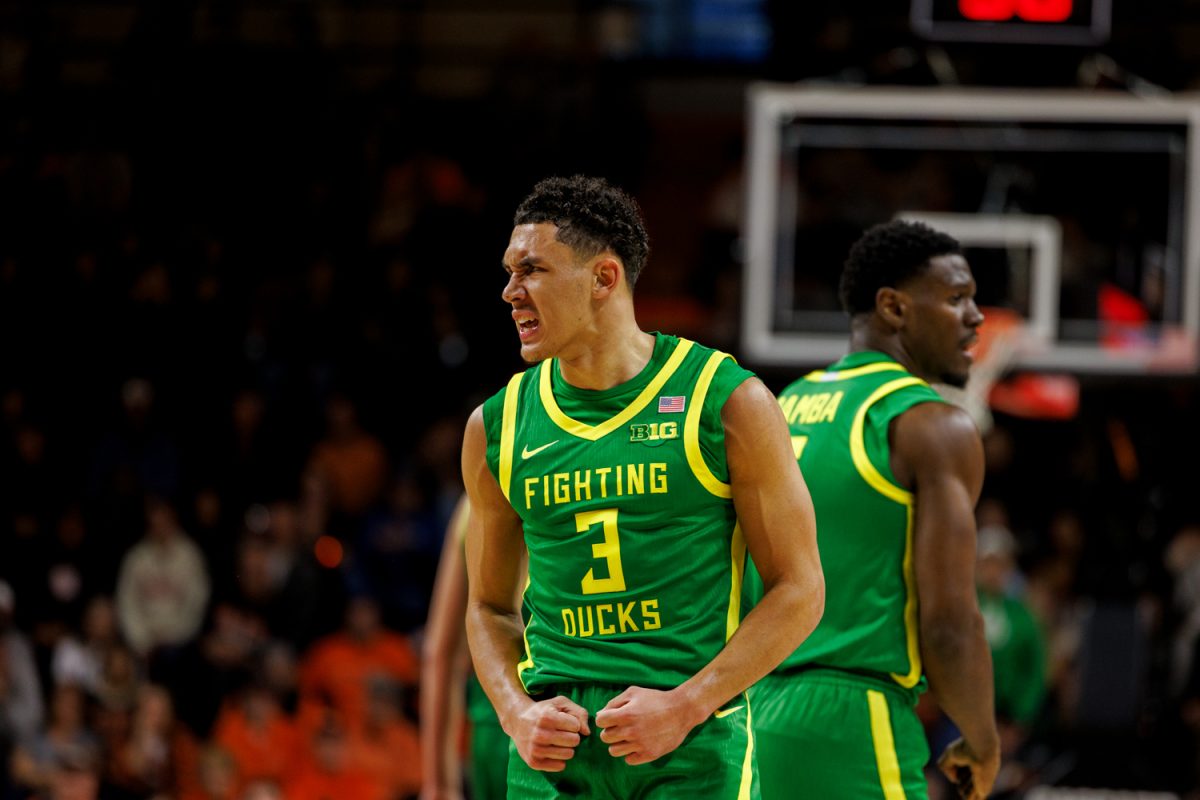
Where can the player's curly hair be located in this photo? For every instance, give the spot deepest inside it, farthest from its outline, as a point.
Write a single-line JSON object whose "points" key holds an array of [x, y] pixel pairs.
{"points": [[887, 255], [592, 216]]}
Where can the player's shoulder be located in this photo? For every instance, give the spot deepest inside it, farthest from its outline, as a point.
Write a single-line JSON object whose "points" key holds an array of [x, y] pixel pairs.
{"points": [[723, 366], [930, 430]]}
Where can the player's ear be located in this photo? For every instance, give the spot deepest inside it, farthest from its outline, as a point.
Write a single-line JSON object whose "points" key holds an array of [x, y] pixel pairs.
{"points": [[890, 305], [606, 276]]}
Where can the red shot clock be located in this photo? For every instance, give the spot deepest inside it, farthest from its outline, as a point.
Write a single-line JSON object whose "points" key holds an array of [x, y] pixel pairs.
{"points": [[1067, 22]]}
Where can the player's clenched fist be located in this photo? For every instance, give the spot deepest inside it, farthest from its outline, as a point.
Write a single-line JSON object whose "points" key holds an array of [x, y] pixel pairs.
{"points": [[641, 725], [547, 732]]}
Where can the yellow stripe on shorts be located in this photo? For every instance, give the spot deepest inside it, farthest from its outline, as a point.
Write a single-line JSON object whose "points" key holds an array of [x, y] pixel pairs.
{"points": [[885, 746]]}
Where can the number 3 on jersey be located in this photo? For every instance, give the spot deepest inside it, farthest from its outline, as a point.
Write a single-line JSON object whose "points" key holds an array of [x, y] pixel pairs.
{"points": [[609, 550]]}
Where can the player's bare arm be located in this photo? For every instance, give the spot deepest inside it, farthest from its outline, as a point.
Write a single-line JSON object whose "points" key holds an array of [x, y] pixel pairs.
{"points": [[545, 732], [937, 452], [776, 517], [444, 659]]}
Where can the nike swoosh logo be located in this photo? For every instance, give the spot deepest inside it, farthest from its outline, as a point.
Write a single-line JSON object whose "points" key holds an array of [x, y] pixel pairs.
{"points": [[527, 453], [726, 712]]}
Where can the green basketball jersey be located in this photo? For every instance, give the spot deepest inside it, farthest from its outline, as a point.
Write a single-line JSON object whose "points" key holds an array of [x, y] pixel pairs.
{"points": [[839, 420], [635, 559]]}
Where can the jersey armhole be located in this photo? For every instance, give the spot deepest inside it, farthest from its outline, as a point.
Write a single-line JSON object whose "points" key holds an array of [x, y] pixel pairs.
{"points": [[870, 428]]}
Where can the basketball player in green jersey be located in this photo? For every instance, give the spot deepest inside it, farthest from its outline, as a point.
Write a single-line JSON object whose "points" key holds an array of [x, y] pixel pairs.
{"points": [[894, 473], [636, 470]]}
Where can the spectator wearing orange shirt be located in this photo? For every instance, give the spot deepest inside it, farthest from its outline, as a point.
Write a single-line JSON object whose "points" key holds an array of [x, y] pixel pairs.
{"points": [[257, 734], [351, 465], [387, 746], [327, 771], [339, 668]]}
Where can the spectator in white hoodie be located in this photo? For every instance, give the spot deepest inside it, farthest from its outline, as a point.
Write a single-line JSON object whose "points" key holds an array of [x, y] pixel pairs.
{"points": [[162, 586]]}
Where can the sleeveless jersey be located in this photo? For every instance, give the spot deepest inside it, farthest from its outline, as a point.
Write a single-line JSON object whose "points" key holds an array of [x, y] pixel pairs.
{"points": [[635, 560], [839, 420]]}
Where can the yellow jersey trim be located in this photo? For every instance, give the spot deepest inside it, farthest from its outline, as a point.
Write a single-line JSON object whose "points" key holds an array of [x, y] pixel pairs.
{"points": [[858, 446], [527, 662], [910, 609], [508, 431], [824, 376], [748, 760], [691, 431], [885, 746], [737, 558], [858, 451], [595, 432]]}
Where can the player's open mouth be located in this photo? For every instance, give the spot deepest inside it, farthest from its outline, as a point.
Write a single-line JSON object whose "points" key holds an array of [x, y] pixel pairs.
{"points": [[968, 347], [527, 324]]}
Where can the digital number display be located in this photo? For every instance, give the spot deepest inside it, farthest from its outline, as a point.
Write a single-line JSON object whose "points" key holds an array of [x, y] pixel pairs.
{"points": [[1081, 22]]}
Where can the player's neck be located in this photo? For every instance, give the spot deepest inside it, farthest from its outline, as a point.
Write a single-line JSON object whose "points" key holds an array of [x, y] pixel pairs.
{"points": [[866, 336], [610, 358]]}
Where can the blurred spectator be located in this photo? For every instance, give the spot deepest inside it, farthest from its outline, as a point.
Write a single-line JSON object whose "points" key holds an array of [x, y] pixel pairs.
{"points": [[257, 734], [251, 460], [351, 463], [163, 586], [294, 614], [120, 678], [395, 556], [387, 746], [26, 504], [1054, 597], [35, 761], [320, 322], [327, 770], [281, 674], [339, 670], [211, 526], [217, 776], [159, 756], [21, 689], [138, 455], [79, 658], [67, 570], [30, 482], [208, 670], [1018, 652], [439, 453], [274, 578], [76, 776]]}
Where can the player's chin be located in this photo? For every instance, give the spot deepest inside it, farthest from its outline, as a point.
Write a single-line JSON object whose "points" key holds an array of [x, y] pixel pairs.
{"points": [[956, 377], [533, 353]]}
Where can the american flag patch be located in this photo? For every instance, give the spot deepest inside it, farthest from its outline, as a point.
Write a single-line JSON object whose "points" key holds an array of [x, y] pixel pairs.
{"points": [[671, 405]]}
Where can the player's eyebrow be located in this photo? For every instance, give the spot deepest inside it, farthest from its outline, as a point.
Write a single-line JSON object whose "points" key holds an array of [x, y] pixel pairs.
{"points": [[527, 261]]}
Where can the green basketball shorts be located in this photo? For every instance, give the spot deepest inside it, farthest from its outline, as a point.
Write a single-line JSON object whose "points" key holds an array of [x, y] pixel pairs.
{"points": [[489, 760], [824, 733], [714, 762]]}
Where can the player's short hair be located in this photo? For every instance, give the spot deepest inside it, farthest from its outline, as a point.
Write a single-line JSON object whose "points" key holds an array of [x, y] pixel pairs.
{"points": [[887, 255], [592, 216]]}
